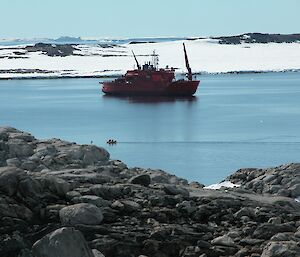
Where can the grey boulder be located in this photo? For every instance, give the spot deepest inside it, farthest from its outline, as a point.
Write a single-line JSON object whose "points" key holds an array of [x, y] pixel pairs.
{"points": [[176, 190], [82, 213], [63, 242], [19, 148], [223, 240], [9, 180], [143, 180]]}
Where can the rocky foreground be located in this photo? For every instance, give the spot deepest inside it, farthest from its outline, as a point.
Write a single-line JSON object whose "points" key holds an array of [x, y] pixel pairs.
{"points": [[60, 199]]}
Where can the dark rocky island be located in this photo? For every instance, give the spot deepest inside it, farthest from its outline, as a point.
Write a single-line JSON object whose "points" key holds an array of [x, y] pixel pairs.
{"points": [[61, 199], [52, 50], [262, 38]]}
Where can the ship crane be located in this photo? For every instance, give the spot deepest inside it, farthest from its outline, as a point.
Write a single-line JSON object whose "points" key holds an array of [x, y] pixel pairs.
{"points": [[137, 63], [190, 76]]}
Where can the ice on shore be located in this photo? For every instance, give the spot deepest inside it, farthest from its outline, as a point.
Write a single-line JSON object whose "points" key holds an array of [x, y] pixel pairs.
{"points": [[227, 184], [205, 55]]}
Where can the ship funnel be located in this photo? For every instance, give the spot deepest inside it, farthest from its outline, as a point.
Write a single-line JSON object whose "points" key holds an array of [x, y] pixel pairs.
{"points": [[190, 76], [137, 63]]}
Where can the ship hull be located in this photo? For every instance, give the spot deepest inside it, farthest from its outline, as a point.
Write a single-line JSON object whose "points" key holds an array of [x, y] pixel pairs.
{"points": [[176, 88]]}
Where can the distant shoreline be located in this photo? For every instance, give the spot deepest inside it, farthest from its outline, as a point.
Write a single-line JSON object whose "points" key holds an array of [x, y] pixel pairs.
{"points": [[246, 54], [118, 75]]}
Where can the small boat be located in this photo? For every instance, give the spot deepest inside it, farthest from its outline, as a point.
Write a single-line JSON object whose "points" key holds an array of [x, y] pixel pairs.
{"points": [[111, 141], [149, 80]]}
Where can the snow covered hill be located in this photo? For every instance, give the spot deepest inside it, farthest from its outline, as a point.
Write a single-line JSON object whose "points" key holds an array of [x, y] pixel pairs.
{"points": [[205, 55]]}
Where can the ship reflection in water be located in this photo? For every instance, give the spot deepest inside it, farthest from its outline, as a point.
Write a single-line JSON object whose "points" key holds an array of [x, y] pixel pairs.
{"points": [[152, 99]]}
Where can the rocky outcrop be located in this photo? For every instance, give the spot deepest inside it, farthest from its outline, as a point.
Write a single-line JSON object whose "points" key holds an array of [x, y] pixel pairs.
{"points": [[259, 38], [283, 180], [58, 198], [61, 50], [281, 249]]}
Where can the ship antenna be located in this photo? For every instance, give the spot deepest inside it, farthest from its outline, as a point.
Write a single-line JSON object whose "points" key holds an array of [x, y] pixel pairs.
{"points": [[190, 76], [137, 63]]}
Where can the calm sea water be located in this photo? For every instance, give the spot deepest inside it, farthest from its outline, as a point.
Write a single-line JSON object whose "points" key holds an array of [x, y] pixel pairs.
{"points": [[234, 121]]}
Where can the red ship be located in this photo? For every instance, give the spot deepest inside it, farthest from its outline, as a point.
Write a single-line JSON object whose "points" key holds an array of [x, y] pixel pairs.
{"points": [[151, 81]]}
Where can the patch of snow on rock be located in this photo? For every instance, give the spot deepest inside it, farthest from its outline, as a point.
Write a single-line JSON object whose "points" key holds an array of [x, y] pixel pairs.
{"points": [[227, 184]]}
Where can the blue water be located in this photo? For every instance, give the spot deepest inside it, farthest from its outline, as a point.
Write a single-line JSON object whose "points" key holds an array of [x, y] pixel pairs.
{"points": [[234, 121]]}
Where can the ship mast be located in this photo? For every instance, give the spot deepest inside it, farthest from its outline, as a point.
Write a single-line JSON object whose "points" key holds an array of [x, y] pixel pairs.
{"points": [[137, 63], [155, 60], [190, 76]]}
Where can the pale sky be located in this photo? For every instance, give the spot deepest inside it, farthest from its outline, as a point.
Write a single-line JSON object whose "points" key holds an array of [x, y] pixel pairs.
{"points": [[153, 18]]}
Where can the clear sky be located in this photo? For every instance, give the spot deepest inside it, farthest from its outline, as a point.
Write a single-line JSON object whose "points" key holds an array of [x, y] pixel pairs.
{"points": [[139, 18]]}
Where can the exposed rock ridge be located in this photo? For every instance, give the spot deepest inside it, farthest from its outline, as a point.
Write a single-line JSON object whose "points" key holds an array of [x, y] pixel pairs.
{"points": [[283, 180], [63, 199], [262, 38]]}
